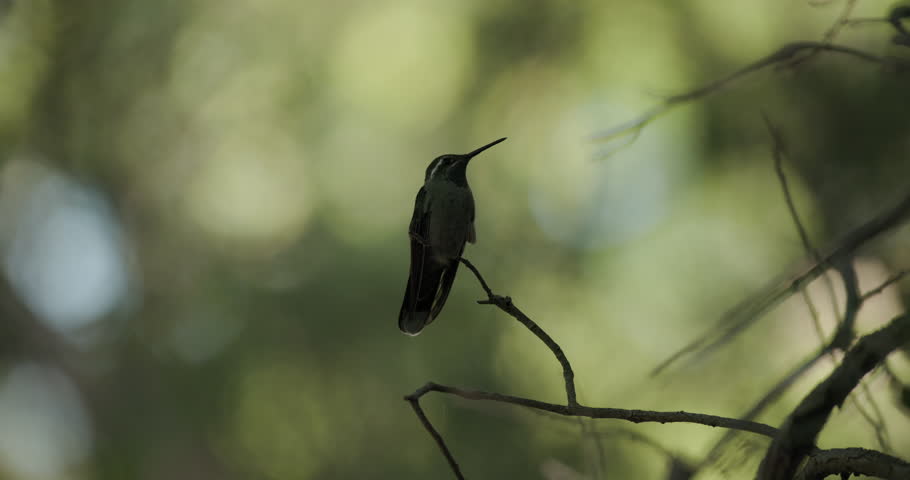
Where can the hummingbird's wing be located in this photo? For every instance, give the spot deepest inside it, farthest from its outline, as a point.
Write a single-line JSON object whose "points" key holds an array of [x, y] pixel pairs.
{"points": [[415, 313], [472, 234], [430, 280]]}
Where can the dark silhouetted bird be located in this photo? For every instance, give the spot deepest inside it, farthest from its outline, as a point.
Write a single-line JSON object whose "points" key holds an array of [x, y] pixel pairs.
{"points": [[443, 221]]}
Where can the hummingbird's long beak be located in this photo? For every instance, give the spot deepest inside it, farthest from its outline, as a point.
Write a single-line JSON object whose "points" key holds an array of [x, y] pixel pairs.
{"points": [[475, 152]]}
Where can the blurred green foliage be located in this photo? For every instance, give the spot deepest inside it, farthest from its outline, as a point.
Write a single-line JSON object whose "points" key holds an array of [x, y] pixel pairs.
{"points": [[261, 159]]}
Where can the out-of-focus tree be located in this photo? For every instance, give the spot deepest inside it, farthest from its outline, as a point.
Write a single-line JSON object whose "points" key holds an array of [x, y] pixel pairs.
{"points": [[204, 207]]}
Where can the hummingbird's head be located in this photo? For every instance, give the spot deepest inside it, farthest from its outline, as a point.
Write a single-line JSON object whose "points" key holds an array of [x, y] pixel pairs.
{"points": [[452, 167]]}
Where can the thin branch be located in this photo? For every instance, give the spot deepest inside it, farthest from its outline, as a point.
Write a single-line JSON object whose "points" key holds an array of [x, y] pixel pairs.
{"points": [[505, 304], [887, 283], [763, 403], [896, 17], [483, 283], [634, 416], [899, 389], [843, 338], [813, 313], [414, 400], [744, 314], [838, 341], [829, 36], [572, 407], [853, 461], [564, 425], [845, 331], [781, 55], [875, 419], [796, 438], [842, 19], [779, 151], [844, 335]]}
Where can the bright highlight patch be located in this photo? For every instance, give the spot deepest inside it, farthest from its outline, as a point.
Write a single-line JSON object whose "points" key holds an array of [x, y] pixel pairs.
{"points": [[405, 64], [250, 190]]}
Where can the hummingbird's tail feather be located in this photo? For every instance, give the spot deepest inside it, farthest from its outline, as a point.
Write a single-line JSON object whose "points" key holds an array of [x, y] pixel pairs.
{"points": [[425, 296], [411, 323]]}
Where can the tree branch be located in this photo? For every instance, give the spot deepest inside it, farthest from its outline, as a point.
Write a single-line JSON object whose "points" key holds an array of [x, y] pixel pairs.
{"points": [[782, 55], [415, 404], [572, 407], [768, 399], [634, 416], [853, 461], [798, 433], [887, 283], [505, 304], [744, 314]]}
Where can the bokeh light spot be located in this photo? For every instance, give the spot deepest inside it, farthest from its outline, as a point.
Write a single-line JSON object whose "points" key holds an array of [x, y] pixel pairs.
{"points": [[66, 257], [45, 426], [251, 190], [405, 64]]}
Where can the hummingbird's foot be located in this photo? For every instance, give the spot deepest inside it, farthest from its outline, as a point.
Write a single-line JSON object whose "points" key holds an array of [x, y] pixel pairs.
{"points": [[497, 300]]}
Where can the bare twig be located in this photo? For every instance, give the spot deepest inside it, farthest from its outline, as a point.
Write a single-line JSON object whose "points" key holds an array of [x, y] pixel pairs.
{"points": [[842, 340], [899, 389], [763, 403], [796, 437], [829, 36], [572, 408], [779, 151], [414, 400], [634, 416], [895, 18], [813, 312], [875, 419], [887, 283], [845, 331], [781, 55], [747, 312], [565, 426], [856, 21], [842, 19], [505, 304], [853, 461]]}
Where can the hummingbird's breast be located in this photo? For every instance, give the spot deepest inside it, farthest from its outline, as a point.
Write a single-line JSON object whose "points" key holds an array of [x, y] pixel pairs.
{"points": [[451, 217]]}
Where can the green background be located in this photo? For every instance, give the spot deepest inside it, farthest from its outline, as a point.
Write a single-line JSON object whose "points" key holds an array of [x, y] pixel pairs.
{"points": [[232, 183]]}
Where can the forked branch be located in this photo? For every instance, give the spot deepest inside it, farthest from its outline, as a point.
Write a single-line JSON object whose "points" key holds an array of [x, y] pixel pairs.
{"points": [[572, 408], [798, 433], [782, 56]]}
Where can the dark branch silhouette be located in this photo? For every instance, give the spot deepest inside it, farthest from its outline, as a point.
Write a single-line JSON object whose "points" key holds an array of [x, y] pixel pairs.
{"points": [[414, 400], [505, 304], [781, 56], [794, 443], [572, 408], [634, 416], [887, 283], [843, 336], [858, 461], [747, 312], [798, 433]]}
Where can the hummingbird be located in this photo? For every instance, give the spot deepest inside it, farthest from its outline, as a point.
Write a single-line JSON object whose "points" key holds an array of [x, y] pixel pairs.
{"points": [[442, 223]]}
